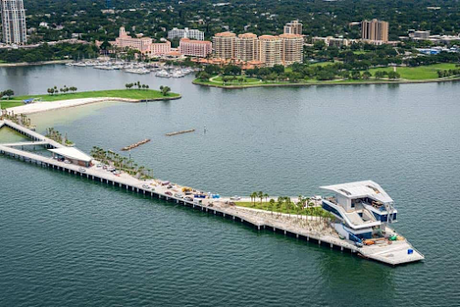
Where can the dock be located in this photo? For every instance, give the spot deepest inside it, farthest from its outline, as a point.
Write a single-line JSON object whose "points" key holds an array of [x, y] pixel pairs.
{"points": [[180, 132], [305, 228]]}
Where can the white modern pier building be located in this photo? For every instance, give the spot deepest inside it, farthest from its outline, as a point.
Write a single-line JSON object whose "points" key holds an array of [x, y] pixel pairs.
{"points": [[363, 207]]}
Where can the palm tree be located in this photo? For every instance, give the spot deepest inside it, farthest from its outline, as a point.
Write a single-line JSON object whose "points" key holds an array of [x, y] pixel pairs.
{"points": [[266, 196], [260, 194], [271, 205], [253, 198], [288, 204], [279, 204]]}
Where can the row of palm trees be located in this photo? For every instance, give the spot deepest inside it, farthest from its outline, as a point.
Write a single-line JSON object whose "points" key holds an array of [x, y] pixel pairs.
{"points": [[258, 195], [303, 206], [125, 164], [138, 84], [65, 89], [20, 119], [56, 136]]}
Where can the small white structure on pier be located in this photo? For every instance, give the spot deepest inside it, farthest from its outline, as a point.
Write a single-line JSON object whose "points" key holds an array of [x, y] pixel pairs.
{"points": [[72, 154]]}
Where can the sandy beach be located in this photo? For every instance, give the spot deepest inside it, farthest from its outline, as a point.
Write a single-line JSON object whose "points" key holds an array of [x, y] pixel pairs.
{"points": [[44, 106]]}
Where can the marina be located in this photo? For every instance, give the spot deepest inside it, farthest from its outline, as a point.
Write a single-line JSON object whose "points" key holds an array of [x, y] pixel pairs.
{"points": [[158, 69], [307, 228]]}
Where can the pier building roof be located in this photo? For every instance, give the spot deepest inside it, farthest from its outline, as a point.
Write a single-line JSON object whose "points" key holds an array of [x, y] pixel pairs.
{"points": [[72, 153], [367, 188]]}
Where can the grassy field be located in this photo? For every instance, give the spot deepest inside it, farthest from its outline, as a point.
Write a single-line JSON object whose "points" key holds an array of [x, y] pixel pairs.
{"points": [[325, 63], [129, 94], [283, 208], [417, 73], [246, 80], [421, 73], [358, 52], [5, 104]]}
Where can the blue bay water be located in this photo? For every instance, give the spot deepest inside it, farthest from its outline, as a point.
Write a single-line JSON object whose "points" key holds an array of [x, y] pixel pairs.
{"points": [[68, 241]]}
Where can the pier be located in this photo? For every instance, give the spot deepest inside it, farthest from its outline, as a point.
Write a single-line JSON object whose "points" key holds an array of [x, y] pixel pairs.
{"points": [[306, 228]]}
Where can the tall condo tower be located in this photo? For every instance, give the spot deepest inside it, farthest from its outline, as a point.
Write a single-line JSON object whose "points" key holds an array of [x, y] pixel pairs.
{"points": [[13, 21], [293, 27], [374, 30]]}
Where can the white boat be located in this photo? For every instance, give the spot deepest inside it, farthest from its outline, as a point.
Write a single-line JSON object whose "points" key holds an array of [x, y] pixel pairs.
{"points": [[163, 74], [177, 74], [139, 71]]}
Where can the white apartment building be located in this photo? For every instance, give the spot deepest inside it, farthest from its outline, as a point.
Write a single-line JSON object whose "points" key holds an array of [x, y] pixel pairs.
{"points": [[186, 33]]}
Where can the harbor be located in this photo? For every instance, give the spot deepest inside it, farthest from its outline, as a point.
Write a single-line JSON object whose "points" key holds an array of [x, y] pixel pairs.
{"points": [[307, 228], [158, 69]]}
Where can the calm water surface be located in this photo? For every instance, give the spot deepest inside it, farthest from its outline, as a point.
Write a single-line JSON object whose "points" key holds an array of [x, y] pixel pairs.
{"points": [[66, 241]]}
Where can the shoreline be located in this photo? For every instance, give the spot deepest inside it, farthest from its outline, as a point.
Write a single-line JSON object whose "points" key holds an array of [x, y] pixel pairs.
{"points": [[44, 106], [324, 83], [21, 64]]}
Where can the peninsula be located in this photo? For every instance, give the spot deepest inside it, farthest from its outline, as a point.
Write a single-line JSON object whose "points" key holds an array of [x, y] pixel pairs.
{"points": [[384, 75], [39, 103]]}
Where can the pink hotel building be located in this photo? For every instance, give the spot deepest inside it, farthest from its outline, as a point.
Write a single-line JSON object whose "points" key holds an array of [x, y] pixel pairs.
{"points": [[147, 47], [144, 44]]}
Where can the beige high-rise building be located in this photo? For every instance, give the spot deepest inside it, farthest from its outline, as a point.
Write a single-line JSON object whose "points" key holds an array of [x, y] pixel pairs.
{"points": [[247, 47], [270, 50], [293, 27], [292, 47], [224, 45], [13, 21], [195, 47], [374, 30]]}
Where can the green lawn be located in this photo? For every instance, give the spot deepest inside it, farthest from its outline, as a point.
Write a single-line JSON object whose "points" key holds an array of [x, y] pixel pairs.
{"points": [[325, 63], [417, 73], [10, 103], [129, 94], [312, 211], [247, 80]]}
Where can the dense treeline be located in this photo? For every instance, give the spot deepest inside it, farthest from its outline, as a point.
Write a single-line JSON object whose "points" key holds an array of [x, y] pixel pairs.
{"points": [[364, 56], [319, 17], [294, 73], [448, 73], [46, 52]]}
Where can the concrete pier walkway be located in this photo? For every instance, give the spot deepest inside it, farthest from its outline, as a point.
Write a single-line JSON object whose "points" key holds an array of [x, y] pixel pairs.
{"points": [[307, 228]]}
